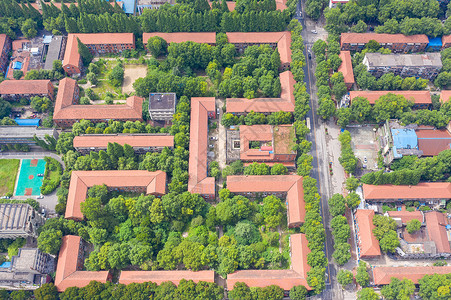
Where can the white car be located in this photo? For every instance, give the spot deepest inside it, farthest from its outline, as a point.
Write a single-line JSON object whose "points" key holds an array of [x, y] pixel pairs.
{"points": [[40, 197], [314, 31]]}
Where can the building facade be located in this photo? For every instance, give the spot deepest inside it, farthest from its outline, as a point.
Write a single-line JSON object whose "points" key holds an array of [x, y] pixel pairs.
{"points": [[426, 65], [19, 220], [5, 46], [24, 134], [398, 43], [14, 90], [162, 107]]}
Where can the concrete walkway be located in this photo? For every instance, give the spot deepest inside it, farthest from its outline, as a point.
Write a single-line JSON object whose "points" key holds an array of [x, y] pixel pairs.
{"points": [[31, 155]]}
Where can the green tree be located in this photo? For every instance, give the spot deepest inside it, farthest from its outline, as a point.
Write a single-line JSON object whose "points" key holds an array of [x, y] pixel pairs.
{"points": [[29, 28], [326, 108], [5, 108], [413, 226], [298, 292], [85, 54], [342, 253], [398, 289], [367, 294], [278, 169], [157, 46], [345, 277], [116, 76], [240, 291], [47, 291], [352, 200], [337, 205], [246, 233], [49, 241], [17, 74], [361, 109], [352, 183], [360, 27], [362, 277]]}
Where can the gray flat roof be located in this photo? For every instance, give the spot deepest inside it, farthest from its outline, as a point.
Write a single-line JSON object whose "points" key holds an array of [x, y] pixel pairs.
{"points": [[24, 132], [163, 101], [404, 60], [53, 51], [14, 217]]}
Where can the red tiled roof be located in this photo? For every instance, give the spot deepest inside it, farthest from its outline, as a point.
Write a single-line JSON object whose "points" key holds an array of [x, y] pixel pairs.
{"points": [[3, 38], [418, 97], [436, 225], [80, 181], [346, 67], [406, 216], [446, 39], [383, 275], [134, 140], [72, 57], [368, 244], [423, 190], [8, 87], [159, 277], [291, 184], [432, 142], [445, 95], [68, 272], [382, 38], [198, 181], [285, 279], [261, 133], [180, 37], [66, 110], [267, 105]]}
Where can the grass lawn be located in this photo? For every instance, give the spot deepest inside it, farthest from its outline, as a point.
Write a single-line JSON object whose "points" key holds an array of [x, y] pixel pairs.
{"points": [[8, 174], [103, 86]]}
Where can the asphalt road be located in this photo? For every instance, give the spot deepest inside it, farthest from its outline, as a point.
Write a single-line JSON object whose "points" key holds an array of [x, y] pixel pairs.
{"points": [[319, 152]]}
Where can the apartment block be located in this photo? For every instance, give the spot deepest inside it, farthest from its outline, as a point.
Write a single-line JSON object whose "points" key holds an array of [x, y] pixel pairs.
{"points": [[18, 220], [14, 90], [426, 65], [398, 43]]}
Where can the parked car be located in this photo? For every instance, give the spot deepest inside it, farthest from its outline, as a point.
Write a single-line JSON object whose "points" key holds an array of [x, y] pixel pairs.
{"points": [[314, 31], [214, 138], [211, 146], [40, 197], [40, 175]]}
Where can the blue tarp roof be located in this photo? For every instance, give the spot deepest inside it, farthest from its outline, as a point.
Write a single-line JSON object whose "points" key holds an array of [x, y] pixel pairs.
{"points": [[404, 138], [27, 122], [437, 41], [17, 65], [129, 6], [6, 265]]}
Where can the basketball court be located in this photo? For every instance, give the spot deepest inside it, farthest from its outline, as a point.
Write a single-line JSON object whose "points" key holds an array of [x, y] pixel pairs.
{"points": [[28, 182]]}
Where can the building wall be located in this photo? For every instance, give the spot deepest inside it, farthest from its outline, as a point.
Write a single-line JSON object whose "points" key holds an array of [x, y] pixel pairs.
{"points": [[395, 47], [109, 48], [138, 150], [240, 47], [72, 70]]}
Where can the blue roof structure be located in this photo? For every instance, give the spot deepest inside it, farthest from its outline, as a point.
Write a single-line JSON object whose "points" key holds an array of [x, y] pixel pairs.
{"points": [[17, 65], [47, 39], [128, 6], [5, 265], [28, 122], [435, 42], [404, 138]]}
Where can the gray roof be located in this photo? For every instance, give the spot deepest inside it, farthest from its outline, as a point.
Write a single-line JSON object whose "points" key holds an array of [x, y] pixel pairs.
{"points": [[15, 218], [162, 101], [25, 132], [53, 51], [404, 60]]}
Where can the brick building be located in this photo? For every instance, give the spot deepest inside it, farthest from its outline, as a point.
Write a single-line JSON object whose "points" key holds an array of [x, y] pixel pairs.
{"points": [[426, 65], [69, 270], [181, 37], [383, 275], [5, 46], [97, 43], [367, 244], [141, 143], [420, 99], [346, 68], [138, 181], [201, 110], [14, 90], [275, 144], [67, 111], [398, 43]]}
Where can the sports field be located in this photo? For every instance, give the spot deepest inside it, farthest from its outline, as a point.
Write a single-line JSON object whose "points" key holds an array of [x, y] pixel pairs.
{"points": [[8, 173], [29, 184]]}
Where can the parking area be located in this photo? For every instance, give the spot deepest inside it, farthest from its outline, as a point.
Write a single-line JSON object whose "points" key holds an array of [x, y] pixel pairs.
{"points": [[364, 145], [232, 145]]}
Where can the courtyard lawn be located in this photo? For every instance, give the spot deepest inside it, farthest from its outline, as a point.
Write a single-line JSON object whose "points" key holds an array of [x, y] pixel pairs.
{"points": [[8, 174]]}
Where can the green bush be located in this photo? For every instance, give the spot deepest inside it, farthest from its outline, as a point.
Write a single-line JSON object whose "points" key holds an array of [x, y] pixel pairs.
{"points": [[49, 184]]}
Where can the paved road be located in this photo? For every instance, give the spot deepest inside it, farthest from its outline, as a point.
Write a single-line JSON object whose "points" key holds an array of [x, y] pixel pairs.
{"points": [[319, 152]]}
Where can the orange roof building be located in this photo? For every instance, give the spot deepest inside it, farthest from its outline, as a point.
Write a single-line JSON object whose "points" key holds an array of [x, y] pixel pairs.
{"points": [[140, 142], [285, 279], [201, 110], [436, 223], [180, 37], [276, 142], [67, 111], [421, 99], [433, 141], [368, 245], [70, 264], [16, 89], [124, 180], [346, 68], [159, 277], [395, 42], [406, 216], [289, 186], [286, 101], [383, 275], [96, 43], [445, 95], [431, 191], [446, 41]]}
